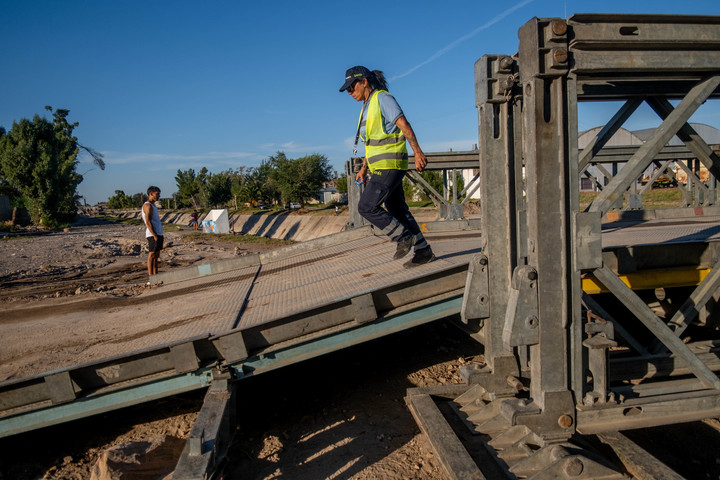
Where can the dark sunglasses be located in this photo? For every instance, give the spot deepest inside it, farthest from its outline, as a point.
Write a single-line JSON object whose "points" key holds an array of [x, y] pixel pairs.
{"points": [[352, 86]]}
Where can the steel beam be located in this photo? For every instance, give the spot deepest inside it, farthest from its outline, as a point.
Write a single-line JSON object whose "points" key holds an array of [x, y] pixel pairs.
{"points": [[661, 331], [544, 80], [497, 119], [93, 405], [210, 437]]}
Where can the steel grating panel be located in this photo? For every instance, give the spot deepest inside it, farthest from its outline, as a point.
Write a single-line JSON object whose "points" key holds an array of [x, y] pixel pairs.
{"points": [[658, 232], [210, 305], [348, 274]]}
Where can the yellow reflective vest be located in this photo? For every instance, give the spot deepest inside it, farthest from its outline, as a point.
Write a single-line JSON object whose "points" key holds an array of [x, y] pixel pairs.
{"points": [[384, 151]]}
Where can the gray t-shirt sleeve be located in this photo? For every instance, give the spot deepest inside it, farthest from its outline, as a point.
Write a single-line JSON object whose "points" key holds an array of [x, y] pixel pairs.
{"points": [[391, 111]]}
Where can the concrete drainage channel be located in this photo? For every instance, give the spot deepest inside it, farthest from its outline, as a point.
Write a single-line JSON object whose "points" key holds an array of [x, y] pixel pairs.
{"points": [[281, 225]]}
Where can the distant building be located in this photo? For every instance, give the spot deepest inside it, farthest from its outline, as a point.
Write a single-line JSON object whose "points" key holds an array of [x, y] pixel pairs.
{"points": [[330, 195], [624, 137]]}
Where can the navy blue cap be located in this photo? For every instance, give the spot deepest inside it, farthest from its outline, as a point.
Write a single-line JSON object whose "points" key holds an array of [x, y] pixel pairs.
{"points": [[354, 73]]}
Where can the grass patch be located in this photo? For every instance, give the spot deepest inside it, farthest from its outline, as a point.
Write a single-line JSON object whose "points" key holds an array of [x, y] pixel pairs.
{"points": [[237, 238], [654, 199], [663, 196], [171, 227], [421, 204]]}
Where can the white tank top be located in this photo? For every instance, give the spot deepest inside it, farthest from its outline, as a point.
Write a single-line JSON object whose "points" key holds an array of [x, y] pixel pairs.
{"points": [[154, 220]]}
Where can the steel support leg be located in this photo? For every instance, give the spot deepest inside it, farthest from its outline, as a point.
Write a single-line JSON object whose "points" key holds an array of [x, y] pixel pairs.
{"points": [[210, 437], [496, 121]]}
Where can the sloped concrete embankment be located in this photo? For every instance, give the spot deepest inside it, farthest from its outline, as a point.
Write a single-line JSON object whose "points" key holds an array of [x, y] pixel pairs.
{"points": [[282, 225]]}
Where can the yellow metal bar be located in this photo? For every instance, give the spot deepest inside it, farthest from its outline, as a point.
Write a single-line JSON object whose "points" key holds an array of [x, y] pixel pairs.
{"points": [[651, 279]]}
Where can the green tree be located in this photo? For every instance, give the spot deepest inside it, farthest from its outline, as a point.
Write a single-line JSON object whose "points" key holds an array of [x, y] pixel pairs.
{"points": [[191, 187], [138, 199], [119, 200], [38, 159], [299, 179], [218, 189], [342, 184], [251, 188], [237, 180], [264, 178]]}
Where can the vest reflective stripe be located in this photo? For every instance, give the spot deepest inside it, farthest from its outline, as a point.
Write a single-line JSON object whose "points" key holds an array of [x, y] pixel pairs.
{"points": [[388, 156], [385, 141], [384, 151]]}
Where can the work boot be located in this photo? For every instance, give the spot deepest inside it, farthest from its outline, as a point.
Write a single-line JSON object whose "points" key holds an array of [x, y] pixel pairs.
{"points": [[421, 257], [404, 245]]}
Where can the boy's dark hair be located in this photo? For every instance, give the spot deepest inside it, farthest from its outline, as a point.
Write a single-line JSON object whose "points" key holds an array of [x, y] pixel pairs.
{"points": [[152, 189]]}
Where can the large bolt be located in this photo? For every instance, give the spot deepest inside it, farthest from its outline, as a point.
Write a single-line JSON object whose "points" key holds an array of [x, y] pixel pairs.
{"points": [[565, 421], [559, 27], [532, 275], [574, 467], [560, 55], [506, 62]]}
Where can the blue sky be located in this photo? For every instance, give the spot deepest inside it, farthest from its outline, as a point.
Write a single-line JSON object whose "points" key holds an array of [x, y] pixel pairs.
{"points": [[159, 86]]}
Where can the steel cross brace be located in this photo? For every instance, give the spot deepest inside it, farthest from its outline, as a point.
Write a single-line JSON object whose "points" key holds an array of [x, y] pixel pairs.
{"points": [[607, 132], [672, 124], [656, 326], [690, 309], [689, 136]]}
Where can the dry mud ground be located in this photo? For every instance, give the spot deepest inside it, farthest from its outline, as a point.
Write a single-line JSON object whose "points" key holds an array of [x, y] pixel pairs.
{"points": [[341, 416]]}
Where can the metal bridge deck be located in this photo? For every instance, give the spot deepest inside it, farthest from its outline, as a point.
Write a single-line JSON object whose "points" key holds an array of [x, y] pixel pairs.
{"points": [[172, 338], [234, 300]]}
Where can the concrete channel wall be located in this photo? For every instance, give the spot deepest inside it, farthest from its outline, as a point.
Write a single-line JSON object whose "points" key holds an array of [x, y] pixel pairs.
{"points": [[282, 225]]}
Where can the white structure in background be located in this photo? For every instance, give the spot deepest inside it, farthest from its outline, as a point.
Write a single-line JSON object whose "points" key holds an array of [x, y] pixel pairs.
{"points": [[216, 222], [624, 137]]}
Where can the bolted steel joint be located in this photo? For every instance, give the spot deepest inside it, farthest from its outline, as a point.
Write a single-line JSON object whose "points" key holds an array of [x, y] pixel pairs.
{"points": [[565, 421], [574, 467], [559, 27], [560, 55], [506, 62]]}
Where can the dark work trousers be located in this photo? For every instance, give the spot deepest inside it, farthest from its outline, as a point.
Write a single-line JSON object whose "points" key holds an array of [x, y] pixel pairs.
{"points": [[395, 220]]}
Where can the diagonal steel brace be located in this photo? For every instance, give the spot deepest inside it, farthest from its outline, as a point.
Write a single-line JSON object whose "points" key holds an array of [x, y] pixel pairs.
{"points": [[657, 326]]}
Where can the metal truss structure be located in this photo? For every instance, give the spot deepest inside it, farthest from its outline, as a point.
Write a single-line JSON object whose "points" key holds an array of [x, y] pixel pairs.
{"points": [[560, 361], [450, 202]]}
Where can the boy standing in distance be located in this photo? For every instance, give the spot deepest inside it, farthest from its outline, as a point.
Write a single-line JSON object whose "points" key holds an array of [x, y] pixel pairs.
{"points": [[153, 229]]}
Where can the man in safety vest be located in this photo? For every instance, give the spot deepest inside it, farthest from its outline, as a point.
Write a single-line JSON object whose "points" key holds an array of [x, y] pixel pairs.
{"points": [[384, 130]]}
